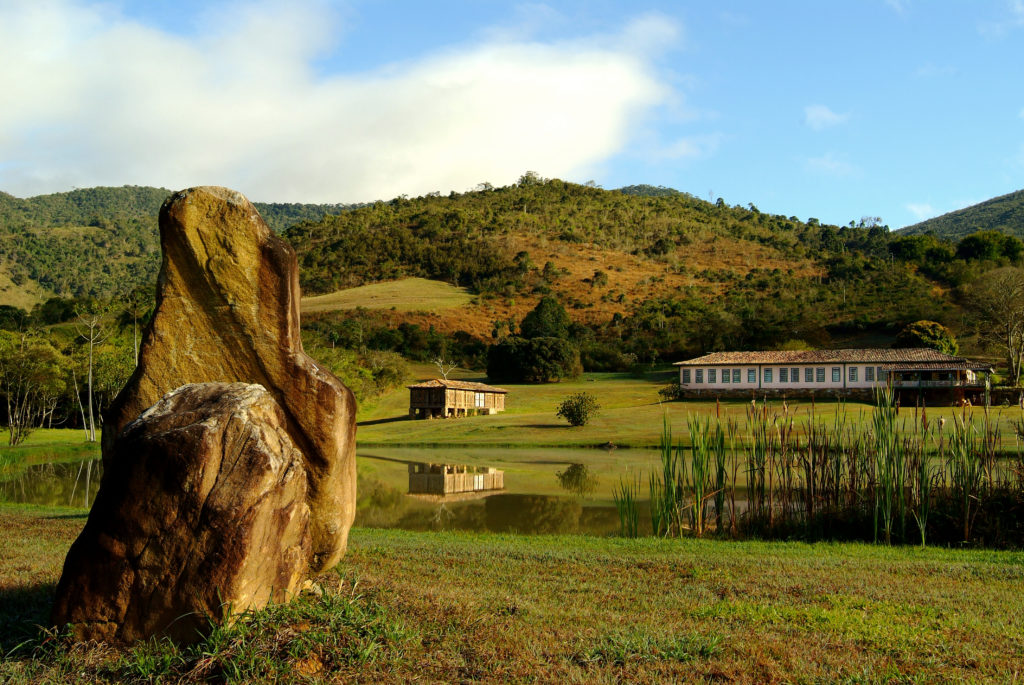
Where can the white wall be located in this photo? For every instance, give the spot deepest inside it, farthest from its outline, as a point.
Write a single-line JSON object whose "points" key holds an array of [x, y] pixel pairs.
{"points": [[776, 384]]}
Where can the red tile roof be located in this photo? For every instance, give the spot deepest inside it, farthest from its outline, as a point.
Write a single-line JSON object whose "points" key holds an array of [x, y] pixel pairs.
{"points": [[458, 385], [913, 357]]}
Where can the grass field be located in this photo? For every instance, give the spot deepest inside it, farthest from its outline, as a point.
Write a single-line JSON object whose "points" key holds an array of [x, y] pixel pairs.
{"points": [[631, 415], [46, 446], [447, 607], [406, 295]]}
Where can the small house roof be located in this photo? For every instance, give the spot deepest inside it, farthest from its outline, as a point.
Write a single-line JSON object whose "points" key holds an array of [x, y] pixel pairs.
{"points": [[906, 358], [458, 385]]}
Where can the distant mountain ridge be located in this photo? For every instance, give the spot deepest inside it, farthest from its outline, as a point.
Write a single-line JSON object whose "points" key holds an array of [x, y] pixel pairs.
{"points": [[97, 241], [1004, 213]]}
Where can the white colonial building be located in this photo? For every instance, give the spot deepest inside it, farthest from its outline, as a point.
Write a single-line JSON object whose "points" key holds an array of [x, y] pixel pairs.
{"points": [[851, 372]]}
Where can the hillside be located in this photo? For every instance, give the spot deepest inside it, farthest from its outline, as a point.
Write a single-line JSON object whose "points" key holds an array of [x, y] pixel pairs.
{"points": [[1004, 213], [648, 271], [95, 242], [645, 272]]}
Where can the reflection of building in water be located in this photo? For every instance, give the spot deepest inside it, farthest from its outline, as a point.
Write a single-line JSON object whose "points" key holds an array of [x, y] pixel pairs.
{"points": [[449, 479]]}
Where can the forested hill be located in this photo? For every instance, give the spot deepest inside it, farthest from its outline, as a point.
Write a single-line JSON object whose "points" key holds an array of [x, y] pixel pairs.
{"points": [[96, 241], [695, 274], [659, 270], [1004, 214]]}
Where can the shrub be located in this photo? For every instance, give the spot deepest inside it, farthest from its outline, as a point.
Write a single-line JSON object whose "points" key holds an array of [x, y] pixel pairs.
{"points": [[539, 360], [928, 334], [578, 408]]}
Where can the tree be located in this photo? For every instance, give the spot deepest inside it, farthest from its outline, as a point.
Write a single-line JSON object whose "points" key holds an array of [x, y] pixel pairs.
{"points": [[538, 360], [30, 376], [13, 318], [90, 329], [931, 334], [547, 320], [990, 245], [578, 408], [996, 301], [444, 367]]}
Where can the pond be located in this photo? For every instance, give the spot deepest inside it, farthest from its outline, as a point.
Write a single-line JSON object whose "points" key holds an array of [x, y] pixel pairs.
{"points": [[515, 491]]}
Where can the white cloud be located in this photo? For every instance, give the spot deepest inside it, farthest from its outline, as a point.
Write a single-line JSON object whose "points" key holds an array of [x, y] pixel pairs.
{"points": [[921, 211], [829, 164], [898, 6], [691, 147], [98, 99], [820, 117], [1012, 19]]}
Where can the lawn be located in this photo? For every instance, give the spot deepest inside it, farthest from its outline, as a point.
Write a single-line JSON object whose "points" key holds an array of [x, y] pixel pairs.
{"points": [[632, 415], [46, 446], [406, 295], [451, 607]]}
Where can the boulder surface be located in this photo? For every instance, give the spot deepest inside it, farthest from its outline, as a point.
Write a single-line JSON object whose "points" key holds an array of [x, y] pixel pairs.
{"points": [[201, 515], [227, 310]]}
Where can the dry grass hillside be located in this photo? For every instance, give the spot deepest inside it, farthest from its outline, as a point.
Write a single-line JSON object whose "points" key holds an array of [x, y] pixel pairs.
{"points": [[631, 279]]}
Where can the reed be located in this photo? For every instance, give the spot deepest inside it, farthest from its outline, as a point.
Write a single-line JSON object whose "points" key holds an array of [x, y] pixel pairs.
{"points": [[877, 477], [966, 471], [707, 442], [626, 496], [666, 488]]}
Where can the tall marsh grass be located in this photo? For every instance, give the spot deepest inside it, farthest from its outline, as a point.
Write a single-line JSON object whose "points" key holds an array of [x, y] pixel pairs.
{"points": [[893, 477]]}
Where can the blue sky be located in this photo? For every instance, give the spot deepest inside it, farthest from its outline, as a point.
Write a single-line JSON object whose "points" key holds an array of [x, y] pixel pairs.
{"points": [[902, 109]]}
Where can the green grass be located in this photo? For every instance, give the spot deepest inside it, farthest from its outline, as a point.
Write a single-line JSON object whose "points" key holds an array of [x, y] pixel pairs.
{"points": [[45, 446], [449, 607], [631, 415], [405, 295]]}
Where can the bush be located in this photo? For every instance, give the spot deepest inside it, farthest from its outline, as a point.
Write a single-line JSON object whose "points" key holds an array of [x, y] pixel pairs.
{"points": [[670, 392], [928, 334], [540, 360], [578, 409]]}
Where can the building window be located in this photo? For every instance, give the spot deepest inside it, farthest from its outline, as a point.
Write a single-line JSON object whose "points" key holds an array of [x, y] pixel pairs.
{"points": [[853, 374], [751, 376], [837, 375], [794, 375], [699, 376], [784, 375], [808, 375], [819, 374], [712, 375], [686, 376], [725, 375], [869, 374], [735, 375], [767, 375], [880, 372], [481, 400]]}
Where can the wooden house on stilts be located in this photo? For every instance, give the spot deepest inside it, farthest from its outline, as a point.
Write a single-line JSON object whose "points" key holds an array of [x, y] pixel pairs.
{"points": [[439, 398]]}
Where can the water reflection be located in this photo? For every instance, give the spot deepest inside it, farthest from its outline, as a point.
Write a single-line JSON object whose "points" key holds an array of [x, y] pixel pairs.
{"points": [[463, 497], [68, 484], [577, 479], [452, 479], [438, 497]]}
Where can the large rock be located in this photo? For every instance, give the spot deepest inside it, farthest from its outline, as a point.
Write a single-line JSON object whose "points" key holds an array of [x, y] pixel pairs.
{"points": [[201, 514], [227, 309]]}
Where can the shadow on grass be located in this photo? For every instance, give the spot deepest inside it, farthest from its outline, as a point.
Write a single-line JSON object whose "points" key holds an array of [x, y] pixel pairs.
{"points": [[543, 425], [58, 517], [390, 419], [24, 613]]}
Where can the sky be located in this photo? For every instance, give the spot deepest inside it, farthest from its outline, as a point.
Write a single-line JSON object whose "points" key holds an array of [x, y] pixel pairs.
{"points": [[837, 110]]}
